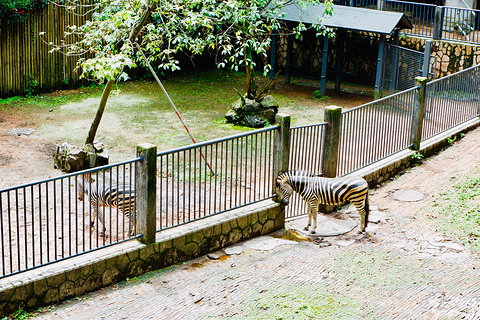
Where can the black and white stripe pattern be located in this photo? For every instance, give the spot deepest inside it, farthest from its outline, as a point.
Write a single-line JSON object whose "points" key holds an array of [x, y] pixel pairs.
{"points": [[102, 194], [316, 190]]}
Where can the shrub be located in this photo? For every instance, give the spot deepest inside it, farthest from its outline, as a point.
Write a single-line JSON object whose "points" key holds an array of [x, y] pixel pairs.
{"points": [[18, 10]]}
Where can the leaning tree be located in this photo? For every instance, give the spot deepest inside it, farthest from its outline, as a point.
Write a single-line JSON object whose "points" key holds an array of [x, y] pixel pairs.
{"points": [[123, 34]]}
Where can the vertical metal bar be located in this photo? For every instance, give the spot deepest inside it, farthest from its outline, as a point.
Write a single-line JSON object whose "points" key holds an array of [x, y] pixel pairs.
{"points": [[2, 234], [160, 190], [24, 225]]}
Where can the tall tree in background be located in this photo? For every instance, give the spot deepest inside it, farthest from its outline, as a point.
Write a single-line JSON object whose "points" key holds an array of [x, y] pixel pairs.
{"points": [[233, 30]]}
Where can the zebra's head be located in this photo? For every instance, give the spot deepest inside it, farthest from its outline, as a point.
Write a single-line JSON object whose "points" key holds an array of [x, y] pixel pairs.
{"points": [[284, 189]]}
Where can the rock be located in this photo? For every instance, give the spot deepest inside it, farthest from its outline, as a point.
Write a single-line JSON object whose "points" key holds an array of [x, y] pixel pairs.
{"points": [[255, 122], [70, 158], [269, 102], [251, 113]]}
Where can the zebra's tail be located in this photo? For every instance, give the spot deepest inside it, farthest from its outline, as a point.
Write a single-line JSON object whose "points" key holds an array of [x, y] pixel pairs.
{"points": [[366, 208]]}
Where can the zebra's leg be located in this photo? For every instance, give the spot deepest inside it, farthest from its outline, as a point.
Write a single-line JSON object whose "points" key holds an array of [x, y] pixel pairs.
{"points": [[100, 218], [363, 215], [309, 218], [314, 210]]}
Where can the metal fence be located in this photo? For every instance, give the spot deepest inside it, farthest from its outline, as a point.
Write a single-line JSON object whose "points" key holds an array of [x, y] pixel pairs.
{"points": [[307, 147], [45, 221], [401, 66], [375, 130], [458, 24], [451, 101], [212, 177]]}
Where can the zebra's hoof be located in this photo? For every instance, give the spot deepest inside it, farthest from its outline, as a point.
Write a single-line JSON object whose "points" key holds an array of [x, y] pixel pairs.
{"points": [[306, 228], [312, 231]]}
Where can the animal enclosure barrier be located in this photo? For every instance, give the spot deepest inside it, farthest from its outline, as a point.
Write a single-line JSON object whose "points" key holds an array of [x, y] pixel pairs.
{"points": [[44, 222]]}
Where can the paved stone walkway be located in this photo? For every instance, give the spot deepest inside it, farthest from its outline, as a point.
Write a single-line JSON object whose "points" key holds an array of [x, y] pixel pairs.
{"points": [[403, 269]]}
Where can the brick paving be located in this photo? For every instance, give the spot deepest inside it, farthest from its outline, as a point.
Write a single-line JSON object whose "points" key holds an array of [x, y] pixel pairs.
{"points": [[404, 269]]}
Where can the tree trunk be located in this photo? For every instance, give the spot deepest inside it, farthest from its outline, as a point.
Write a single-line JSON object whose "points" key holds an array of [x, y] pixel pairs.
{"points": [[108, 88], [98, 116]]}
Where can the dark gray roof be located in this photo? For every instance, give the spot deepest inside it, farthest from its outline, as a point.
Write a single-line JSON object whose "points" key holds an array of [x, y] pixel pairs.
{"points": [[376, 21]]}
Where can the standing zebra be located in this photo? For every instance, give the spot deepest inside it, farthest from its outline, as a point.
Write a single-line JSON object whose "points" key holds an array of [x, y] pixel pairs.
{"points": [[316, 190], [101, 194]]}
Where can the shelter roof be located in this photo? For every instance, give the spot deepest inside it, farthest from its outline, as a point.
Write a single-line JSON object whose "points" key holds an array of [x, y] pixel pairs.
{"points": [[351, 18]]}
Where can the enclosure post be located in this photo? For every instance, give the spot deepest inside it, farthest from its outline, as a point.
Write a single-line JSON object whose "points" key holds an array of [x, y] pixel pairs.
{"points": [[146, 190], [378, 75], [437, 23], [323, 76], [281, 146], [289, 58], [426, 58], [339, 66], [333, 118], [418, 113]]}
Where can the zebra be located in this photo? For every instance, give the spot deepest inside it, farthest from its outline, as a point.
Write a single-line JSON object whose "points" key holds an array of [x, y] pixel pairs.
{"points": [[101, 194], [316, 190]]}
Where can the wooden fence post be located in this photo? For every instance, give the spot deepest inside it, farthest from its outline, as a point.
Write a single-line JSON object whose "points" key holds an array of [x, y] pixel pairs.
{"points": [[333, 118], [281, 147], [146, 190], [418, 114], [438, 23]]}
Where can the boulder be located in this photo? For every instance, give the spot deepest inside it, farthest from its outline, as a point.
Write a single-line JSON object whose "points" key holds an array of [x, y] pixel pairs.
{"points": [[252, 113], [70, 158]]}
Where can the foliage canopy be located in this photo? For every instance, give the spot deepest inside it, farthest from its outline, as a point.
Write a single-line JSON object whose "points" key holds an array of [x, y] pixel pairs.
{"points": [[232, 30]]}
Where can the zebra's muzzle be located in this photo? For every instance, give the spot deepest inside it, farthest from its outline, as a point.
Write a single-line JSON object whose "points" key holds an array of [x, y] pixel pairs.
{"points": [[285, 202]]}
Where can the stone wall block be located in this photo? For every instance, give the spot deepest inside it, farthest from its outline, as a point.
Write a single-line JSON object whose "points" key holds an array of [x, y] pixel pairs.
{"points": [[93, 282], [179, 242], [6, 295], [39, 287], [208, 232], [135, 268], [262, 217], [197, 236], [165, 245], [257, 228], [226, 228], [99, 267], [79, 287], [242, 222], [235, 236], [133, 255], [51, 296], [248, 232], [22, 292], [149, 250], [121, 262], [86, 271], [189, 250], [56, 280], [66, 290], [73, 274], [111, 275], [268, 227]]}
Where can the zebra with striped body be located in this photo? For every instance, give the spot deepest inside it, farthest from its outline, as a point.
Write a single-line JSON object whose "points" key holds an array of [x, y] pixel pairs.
{"points": [[316, 190], [102, 194]]}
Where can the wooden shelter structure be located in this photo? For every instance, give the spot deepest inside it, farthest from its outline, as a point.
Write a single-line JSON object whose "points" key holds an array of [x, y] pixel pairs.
{"points": [[343, 19]]}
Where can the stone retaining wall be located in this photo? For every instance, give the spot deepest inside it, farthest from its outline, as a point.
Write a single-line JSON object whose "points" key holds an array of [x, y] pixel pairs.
{"points": [[451, 56], [76, 276]]}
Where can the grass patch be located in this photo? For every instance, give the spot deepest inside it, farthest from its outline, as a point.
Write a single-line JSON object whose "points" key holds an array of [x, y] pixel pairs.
{"points": [[458, 212]]}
